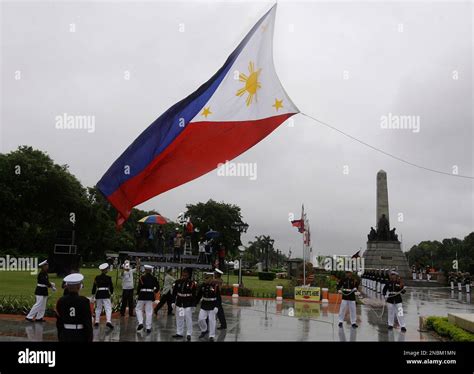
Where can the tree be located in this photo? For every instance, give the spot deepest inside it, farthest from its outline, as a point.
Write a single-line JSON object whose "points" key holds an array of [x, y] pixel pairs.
{"points": [[218, 216], [262, 248]]}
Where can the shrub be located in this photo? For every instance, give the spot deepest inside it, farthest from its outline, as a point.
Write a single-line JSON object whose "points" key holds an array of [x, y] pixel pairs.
{"points": [[263, 275], [446, 329]]}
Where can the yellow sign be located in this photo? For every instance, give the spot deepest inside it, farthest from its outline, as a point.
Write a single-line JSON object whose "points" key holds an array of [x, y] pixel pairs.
{"points": [[308, 293], [307, 310]]}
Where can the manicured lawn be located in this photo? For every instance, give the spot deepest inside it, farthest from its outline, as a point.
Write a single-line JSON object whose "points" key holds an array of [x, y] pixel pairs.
{"points": [[24, 283]]}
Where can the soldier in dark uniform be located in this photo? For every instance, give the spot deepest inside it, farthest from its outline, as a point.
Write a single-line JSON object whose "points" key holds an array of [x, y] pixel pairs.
{"points": [[208, 292], [41, 293], [73, 313], [451, 280], [459, 279], [393, 291], [348, 286], [220, 312], [147, 287], [184, 300], [102, 291], [467, 282]]}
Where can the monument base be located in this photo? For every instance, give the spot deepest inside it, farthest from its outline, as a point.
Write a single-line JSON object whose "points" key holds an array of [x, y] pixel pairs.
{"points": [[386, 255]]}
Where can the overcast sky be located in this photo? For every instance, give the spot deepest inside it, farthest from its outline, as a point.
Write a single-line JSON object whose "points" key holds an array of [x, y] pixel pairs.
{"points": [[346, 63]]}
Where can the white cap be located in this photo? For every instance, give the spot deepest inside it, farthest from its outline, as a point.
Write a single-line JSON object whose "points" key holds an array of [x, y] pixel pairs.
{"points": [[206, 273], [149, 267], [218, 271], [75, 278], [103, 266], [45, 262], [393, 272]]}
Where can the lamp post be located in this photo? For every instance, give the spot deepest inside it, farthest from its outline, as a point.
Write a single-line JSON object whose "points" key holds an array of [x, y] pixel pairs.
{"points": [[241, 252], [240, 227]]}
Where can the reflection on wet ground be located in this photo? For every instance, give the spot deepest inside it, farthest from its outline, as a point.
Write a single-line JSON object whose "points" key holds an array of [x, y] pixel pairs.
{"points": [[268, 320]]}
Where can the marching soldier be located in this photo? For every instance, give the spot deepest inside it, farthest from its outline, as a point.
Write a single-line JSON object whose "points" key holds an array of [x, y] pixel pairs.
{"points": [[73, 313], [166, 294], [393, 291], [102, 290], [147, 287], [184, 299], [348, 286], [41, 293], [451, 279], [208, 292], [467, 282], [220, 312], [459, 279]]}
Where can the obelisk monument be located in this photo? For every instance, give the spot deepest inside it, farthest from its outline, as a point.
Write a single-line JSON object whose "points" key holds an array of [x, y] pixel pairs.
{"points": [[383, 247], [382, 197]]}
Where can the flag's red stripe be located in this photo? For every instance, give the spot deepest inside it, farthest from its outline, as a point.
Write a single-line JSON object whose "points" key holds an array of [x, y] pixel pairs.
{"points": [[196, 151]]}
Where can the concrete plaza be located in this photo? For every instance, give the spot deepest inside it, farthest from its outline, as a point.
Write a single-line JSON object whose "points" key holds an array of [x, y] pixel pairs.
{"points": [[266, 320]]}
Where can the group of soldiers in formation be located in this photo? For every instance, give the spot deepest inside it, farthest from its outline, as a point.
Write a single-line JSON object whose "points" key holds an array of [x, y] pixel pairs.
{"points": [[460, 279], [74, 312], [386, 282]]}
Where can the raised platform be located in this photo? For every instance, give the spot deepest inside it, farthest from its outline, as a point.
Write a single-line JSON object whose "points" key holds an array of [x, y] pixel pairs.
{"points": [[462, 320], [386, 255]]}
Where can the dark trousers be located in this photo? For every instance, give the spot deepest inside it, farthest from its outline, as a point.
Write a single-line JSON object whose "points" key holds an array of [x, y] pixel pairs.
{"points": [[165, 299], [176, 254], [127, 300], [221, 316]]}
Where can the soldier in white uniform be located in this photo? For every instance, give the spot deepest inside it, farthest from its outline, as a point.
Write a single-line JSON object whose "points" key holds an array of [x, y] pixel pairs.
{"points": [[127, 289], [393, 291], [147, 287], [41, 294], [184, 300], [208, 293], [102, 291], [348, 287]]}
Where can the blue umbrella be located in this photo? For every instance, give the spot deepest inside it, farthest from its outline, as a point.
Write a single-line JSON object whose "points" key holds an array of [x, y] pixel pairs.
{"points": [[212, 234]]}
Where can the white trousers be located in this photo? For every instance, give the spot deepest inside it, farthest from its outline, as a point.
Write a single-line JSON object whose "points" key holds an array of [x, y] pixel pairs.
{"points": [[459, 286], [395, 309], [107, 305], [148, 306], [378, 287], [452, 285], [203, 314], [352, 310], [39, 307], [182, 315], [414, 276], [468, 288]]}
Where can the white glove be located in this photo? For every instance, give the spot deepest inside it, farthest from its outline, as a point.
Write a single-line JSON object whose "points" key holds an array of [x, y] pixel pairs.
{"points": [[354, 289], [156, 302], [173, 306], [216, 309], [92, 299], [53, 285], [53, 289], [340, 291], [357, 293]]}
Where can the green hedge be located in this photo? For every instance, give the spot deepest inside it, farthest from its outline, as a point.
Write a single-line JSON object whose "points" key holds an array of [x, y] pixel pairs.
{"points": [[446, 329], [228, 290], [269, 276]]}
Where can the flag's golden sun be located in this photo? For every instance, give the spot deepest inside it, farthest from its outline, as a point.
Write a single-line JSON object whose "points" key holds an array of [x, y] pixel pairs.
{"points": [[251, 84]]}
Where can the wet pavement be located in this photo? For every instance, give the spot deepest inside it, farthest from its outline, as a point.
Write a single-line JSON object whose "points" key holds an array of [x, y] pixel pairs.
{"points": [[267, 320]]}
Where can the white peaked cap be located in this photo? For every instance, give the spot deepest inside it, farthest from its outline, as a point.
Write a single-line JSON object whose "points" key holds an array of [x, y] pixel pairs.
{"points": [[103, 266], [75, 278]]}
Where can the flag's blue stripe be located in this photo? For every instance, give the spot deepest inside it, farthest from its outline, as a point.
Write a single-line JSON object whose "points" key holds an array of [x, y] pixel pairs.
{"points": [[162, 132]]}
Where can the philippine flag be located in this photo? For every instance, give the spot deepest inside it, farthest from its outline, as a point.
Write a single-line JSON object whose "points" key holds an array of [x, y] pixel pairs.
{"points": [[234, 110]]}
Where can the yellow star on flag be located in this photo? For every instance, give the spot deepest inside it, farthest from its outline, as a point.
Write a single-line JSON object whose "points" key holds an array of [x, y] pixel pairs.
{"points": [[206, 111], [278, 104]]}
